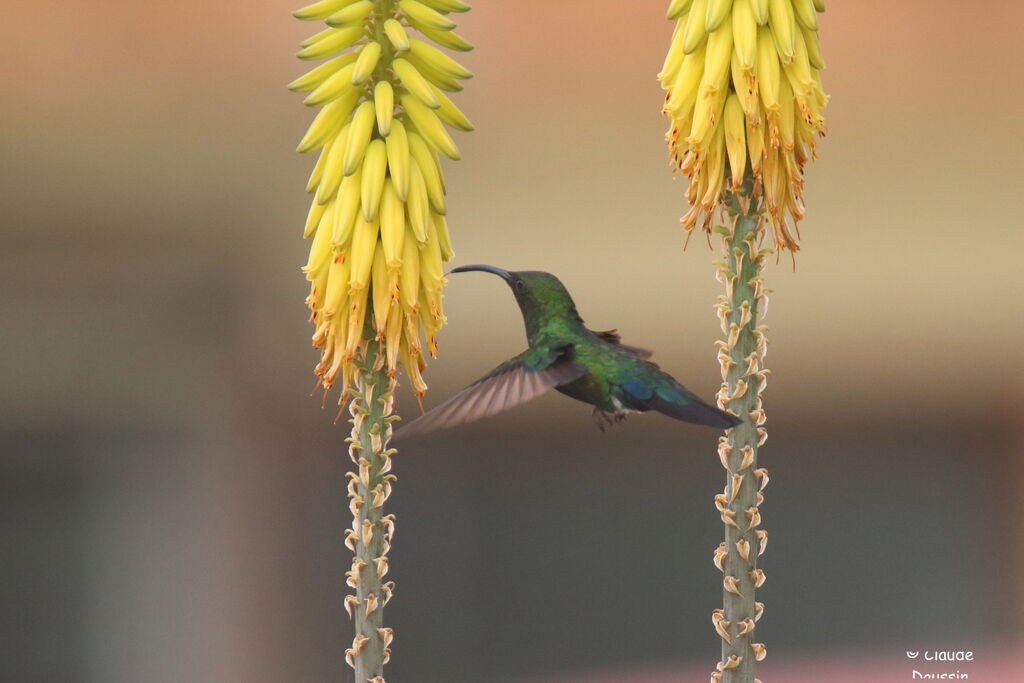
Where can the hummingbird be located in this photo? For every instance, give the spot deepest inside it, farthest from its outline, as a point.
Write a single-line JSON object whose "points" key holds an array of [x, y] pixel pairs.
{"points": [[564, 355]]}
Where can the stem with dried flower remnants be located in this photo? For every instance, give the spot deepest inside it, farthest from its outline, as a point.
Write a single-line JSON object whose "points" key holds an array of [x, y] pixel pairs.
{"points": [[741, 357], [370, 536]]}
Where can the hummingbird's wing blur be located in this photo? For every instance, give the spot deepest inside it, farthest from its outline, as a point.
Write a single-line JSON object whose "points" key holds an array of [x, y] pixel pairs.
{"points": [[613, 337], [515, 381]]}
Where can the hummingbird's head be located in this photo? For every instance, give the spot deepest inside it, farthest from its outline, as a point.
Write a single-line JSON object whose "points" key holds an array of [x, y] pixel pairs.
{"points": [[537, 293]]}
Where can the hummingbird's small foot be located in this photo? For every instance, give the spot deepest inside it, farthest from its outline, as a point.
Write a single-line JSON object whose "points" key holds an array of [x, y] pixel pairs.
{"points": [[605, 419], [602, 419]]}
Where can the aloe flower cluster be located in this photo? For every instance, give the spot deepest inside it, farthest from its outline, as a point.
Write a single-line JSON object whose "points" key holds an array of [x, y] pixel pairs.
{"points": [[744, 93], [377, 219]]}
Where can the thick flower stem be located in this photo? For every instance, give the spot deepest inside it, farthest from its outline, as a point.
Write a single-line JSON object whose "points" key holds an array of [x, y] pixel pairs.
{"points": [[741, 356], [370, 536]]}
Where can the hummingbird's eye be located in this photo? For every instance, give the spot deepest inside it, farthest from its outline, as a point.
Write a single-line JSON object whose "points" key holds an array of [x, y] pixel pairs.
{"points": [[520, 285]]}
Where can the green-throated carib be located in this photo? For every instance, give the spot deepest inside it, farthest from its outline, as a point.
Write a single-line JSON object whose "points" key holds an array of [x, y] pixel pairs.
{"points": [[593, 367]]}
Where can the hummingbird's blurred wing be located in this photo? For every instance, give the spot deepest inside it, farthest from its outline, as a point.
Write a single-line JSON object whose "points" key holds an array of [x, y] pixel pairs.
{"points": [[515, 381]]}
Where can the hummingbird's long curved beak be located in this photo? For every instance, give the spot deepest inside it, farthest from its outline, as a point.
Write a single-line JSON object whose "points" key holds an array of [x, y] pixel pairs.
{"points": [[500, 272]]}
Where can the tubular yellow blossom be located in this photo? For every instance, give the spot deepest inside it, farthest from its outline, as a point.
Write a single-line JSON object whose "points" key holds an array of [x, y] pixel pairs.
{"points": [[376, 220], [375, 168], [398, 158], [384, 105], [420, 14], [352, 14], [448, 39], [397, 35], [760, 57]]}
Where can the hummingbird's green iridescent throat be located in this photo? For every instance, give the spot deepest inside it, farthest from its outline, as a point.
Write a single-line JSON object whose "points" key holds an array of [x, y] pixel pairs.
{"points": [[563, 354]]}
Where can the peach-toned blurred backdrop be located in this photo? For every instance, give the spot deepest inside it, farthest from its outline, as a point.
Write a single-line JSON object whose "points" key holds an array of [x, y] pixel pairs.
{"points": [[173, 499]]}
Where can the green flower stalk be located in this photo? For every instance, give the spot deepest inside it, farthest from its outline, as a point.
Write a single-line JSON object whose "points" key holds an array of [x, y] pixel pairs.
{"points": [[379, 238], [741, 357], [744, 96], [372, 409]]}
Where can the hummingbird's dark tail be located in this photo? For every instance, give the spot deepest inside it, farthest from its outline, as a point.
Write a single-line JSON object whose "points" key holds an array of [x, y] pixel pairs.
{"points": [[695, 411]]}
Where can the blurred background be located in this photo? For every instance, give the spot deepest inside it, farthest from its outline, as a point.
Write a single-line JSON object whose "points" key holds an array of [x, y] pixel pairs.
{"points": [[173, 500]]}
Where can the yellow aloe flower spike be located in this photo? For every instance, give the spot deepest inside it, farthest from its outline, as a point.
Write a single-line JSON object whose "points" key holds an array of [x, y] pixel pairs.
{"points": [[381, 125], [766, 53]]}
